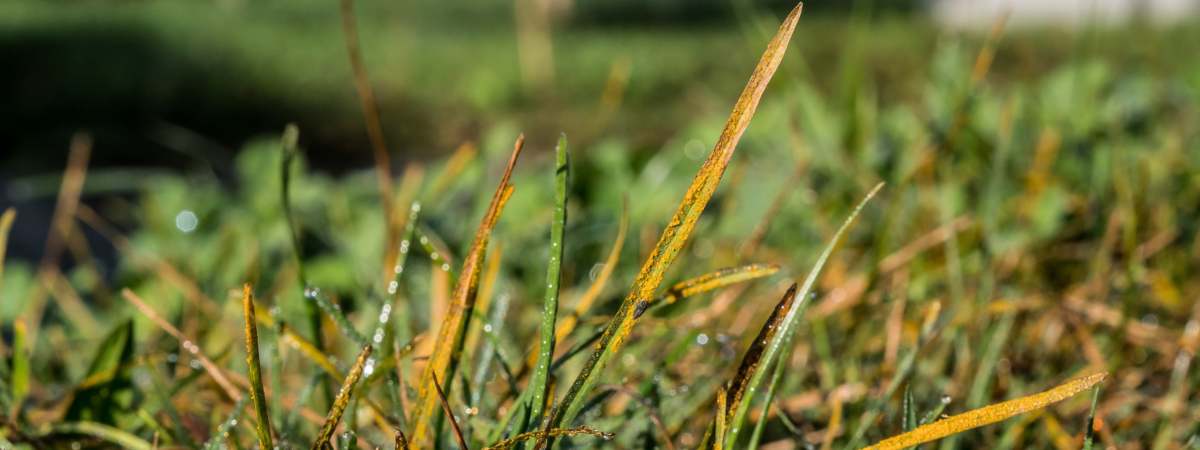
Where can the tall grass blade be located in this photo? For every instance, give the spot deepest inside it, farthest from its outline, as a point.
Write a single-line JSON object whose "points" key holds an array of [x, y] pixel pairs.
{"points": [[782, 339], [342, 400], [257, 393], [105, 432], [448, 347], [988, 414], [553, 277], [1089, 432], [680, 226]]}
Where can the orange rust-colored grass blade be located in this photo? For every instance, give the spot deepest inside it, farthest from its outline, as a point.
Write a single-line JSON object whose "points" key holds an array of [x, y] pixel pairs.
{"points": [[988, 414], [677, 231], [717, 280], [447, 348], [343, 399], [255, 371]]}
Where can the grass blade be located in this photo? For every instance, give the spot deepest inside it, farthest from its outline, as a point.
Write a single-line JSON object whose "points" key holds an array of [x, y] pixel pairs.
{"points": [[1088, 433], [680, 226], [291, 134], [6, 222], [782, 340], [342, 400], [223, 431], [256, 382], [717, 280], [193, 349], [448, 347], [462, 442], [20, 367], [722, 421], [553, 432], [105, 432], [988, 414], [334, 311], [553, 277]]}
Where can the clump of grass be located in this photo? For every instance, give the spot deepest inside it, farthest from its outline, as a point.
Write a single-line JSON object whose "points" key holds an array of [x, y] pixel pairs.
{"points": [[827, 352]]}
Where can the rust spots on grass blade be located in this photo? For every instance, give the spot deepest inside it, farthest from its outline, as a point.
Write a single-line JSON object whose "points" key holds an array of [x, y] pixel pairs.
{"points": [[717, 280], [754, 355], [447, 349], [255, 368], [677, 231], [343, 399], [988, 414]]}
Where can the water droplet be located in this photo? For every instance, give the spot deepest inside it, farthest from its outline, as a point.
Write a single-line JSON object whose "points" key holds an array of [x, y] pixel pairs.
{"points": [[946, 399], [702, 339], [195, 364], [186, 221], [1150, 321]]}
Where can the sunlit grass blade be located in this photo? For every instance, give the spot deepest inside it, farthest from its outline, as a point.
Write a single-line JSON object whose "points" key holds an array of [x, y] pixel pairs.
{"points": [[458, 434], [342, 400], [680, 226], [218, 439], [255, 368], [447, 348], [722, 418], [20, 367], [105, 432], [401, 441], [1089, 432], [553, 277], [782, 339], [987, 415], [716, 280], [334, 311], [554, 432]]}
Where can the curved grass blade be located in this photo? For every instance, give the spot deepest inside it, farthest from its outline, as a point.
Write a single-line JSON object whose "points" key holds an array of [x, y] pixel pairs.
{"points": [[1088, 434], [342, 400], [214, 443], [105, 432], [255, 367], [680, 226], [553, 277], [334, 311], [717, 280], [447, 349], [553, 432], [782, 340], [988, 414]]}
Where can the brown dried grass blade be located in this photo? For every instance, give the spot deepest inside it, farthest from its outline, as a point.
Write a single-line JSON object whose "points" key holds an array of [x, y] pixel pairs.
{"points": [[462, 442]]}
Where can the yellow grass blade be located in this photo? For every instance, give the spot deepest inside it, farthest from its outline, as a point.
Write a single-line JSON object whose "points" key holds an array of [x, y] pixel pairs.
{"points": [[988, 414], [447, 348], [677, 231]]}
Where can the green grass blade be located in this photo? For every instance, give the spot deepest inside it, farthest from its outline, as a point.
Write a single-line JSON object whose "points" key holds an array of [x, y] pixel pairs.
{"points": [[678, 229], [178, 429], [20, 367], [334, 311], [342, 400], [910, 413], [553, 277], [782, 340], [214, 443], [105, 432], [1088, 433], [257, 393]]}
